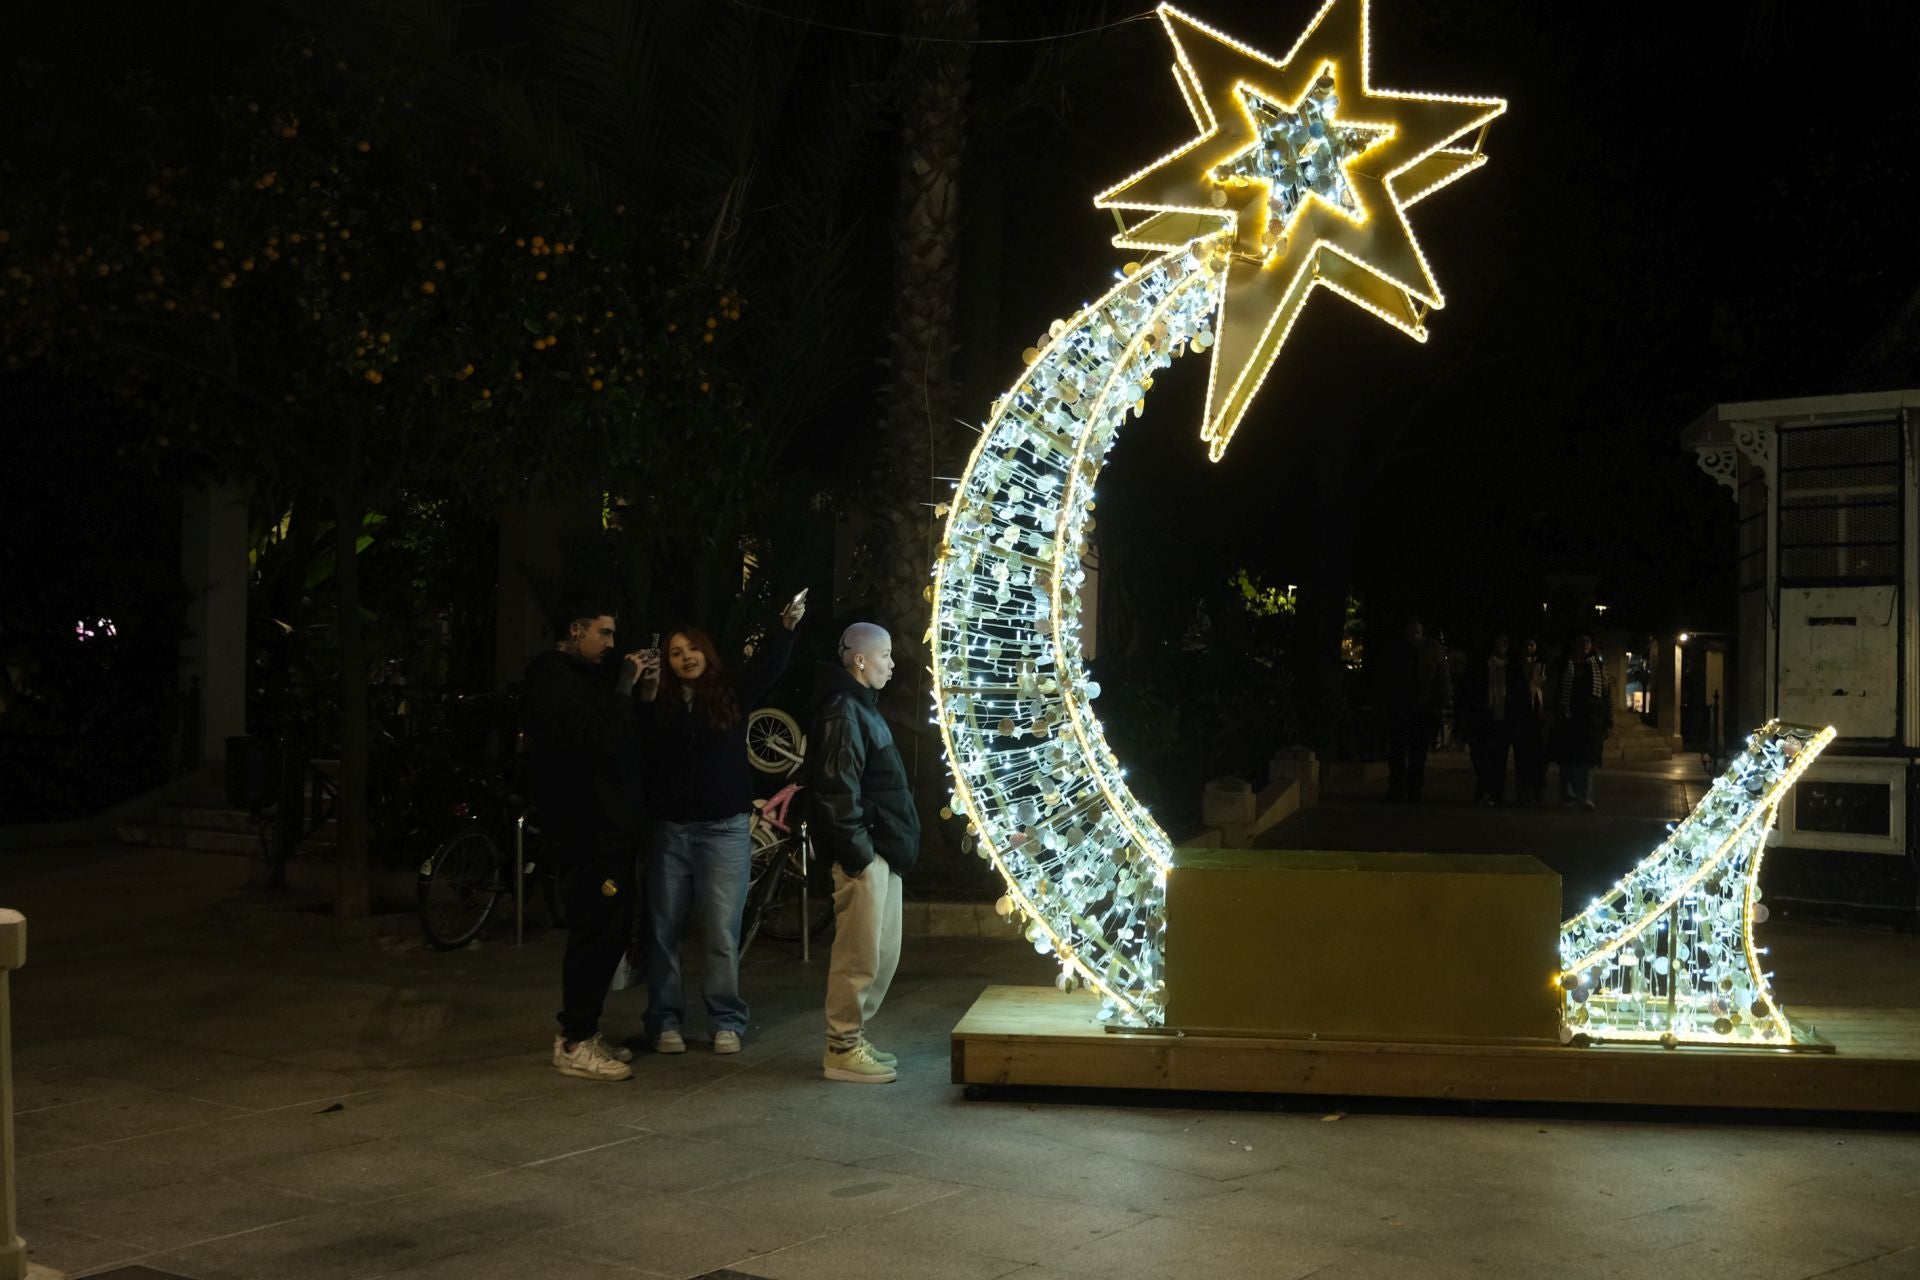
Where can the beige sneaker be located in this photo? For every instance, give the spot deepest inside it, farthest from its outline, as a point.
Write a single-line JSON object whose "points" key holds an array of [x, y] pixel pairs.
{"points": [[726, 1042], [620, 1052], [880, 1055], [589, 1060], [855, 1066], [669, 1041]]}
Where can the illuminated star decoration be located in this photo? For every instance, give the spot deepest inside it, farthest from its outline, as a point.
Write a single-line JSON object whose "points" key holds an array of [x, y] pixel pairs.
{"points": [[1302, 174]]}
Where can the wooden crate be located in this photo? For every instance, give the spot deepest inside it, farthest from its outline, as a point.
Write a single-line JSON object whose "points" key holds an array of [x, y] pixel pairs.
{"points": [[1039, 1036]]}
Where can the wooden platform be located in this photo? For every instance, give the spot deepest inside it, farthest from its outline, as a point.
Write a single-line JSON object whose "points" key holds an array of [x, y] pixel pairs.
{"points": [[1039, 1036]]}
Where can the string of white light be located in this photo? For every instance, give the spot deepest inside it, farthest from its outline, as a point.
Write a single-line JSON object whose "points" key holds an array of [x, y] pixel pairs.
{"points": [[1668, 954], [1045, 798]]}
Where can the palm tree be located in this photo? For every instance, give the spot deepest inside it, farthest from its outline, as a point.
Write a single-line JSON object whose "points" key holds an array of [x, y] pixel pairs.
{"points": [[917, 401]]}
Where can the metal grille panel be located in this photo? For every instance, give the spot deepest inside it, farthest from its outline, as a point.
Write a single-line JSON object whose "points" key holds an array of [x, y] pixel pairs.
{"points": [[1840, 502]]}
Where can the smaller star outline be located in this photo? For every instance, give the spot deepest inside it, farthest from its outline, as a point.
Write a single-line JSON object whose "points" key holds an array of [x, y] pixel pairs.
{"points": [[1373, 259], [1246, 95]]}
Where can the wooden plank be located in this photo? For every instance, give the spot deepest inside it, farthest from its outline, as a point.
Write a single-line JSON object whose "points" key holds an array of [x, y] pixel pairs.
{"points": [[1037, 1036]]}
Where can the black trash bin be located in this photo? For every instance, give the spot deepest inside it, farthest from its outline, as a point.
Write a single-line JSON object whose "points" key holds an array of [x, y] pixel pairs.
{"points": [[253, 773]]}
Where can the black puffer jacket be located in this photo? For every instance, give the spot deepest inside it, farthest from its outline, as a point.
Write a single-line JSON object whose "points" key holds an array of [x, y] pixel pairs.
{"points": [[584, 750], [859, 798]]}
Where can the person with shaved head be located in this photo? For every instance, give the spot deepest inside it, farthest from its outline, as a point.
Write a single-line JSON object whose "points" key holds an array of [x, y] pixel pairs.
{"points": [[865, 822]]}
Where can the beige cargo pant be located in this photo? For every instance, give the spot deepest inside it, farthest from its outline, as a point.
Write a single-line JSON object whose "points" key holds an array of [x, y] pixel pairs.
{"points": [[866, 950]]}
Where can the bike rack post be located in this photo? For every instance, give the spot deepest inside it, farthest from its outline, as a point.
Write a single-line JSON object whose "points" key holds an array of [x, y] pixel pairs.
{"points": [[806, 914], [13, 954], [520, 881]]}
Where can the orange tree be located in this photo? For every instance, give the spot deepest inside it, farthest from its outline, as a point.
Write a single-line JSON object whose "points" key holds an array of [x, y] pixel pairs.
{"points": [[310, 284]]}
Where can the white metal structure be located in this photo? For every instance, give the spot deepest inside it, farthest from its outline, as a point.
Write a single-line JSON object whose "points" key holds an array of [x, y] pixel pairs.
{"points": [[1829, 611]]}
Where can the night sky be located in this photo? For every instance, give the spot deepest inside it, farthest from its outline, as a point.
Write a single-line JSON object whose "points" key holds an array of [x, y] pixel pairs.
{"points": [[1684, 205]]}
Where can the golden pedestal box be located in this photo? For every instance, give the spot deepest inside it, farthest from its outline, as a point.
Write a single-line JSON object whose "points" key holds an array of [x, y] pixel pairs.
{"points": [[1363, 946]]}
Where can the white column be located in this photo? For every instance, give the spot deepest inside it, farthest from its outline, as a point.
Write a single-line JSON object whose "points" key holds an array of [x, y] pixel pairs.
{"points": [[213, 565], [13, 954], [1910, 422], [1663, 668]]}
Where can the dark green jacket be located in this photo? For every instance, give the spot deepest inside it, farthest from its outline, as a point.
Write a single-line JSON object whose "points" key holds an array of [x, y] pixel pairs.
{"points": [[860, 801]]}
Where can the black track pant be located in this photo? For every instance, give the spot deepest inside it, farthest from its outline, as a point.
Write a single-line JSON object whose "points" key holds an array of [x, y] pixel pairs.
{"points": [[597, 892]]}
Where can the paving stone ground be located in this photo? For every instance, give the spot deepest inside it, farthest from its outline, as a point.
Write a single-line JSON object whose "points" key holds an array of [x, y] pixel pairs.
{"points": [[202, 1094]]}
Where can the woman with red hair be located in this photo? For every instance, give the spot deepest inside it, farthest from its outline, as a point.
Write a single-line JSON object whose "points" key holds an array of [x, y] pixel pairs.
{"points": [[700, 788]]}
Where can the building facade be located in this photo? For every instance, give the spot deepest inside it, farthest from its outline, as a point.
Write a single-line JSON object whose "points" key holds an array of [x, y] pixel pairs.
{"points": [[1828, 572]]}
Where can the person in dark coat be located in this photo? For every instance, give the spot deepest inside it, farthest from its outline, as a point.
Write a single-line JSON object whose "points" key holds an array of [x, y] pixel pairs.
{"points": [[1489, 732], [700, 787], [584, 754], [865, 822], [1527, 719], [1416, 697], [1582, 718]]}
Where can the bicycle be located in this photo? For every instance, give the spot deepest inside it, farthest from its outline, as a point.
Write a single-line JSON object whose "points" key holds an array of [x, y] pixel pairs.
{"points": [[487, 855], [468, 874], [789, 894]]}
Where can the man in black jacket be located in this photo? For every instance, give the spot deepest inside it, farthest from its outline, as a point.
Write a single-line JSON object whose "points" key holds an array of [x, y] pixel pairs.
{"points": [[865, 821], [581, 745]]}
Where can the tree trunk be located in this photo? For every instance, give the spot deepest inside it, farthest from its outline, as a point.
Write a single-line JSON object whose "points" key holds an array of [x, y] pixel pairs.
{"points": [[918, 400], [352, 897]]}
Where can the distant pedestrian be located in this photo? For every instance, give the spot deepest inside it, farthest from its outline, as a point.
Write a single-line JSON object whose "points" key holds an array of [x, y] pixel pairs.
{"points": [[1583, 717], [864, 820], [1489, 732], [701, 854], [585, 759], [1527, 721], [1416, 697]]}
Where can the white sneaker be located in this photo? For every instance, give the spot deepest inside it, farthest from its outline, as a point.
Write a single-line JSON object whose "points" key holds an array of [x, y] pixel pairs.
{"points": [[589, 1060], [726, 1042], [880, 1055], [855, 1066], [620, 1052], [669, 1041]]}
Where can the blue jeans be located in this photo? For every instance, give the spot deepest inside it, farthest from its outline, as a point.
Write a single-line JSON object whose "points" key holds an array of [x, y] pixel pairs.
{"points": [[702, 865]]}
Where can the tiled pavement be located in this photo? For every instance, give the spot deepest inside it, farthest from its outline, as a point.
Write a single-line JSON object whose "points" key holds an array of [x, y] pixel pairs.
{"points": [[203, 1097]]}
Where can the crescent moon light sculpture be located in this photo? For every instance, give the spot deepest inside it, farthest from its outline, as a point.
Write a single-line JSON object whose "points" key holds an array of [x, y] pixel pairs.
{"points": [[1668, 955], [1299, 177]]}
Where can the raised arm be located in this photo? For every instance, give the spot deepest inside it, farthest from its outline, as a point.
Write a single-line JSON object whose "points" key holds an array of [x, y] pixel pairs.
{"points": [[765, 667]]}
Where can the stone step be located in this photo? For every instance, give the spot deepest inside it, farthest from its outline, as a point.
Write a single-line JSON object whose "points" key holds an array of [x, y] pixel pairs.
{"points": [[156, 835], [1636, 754], [1638, 751], [203, 817], [167, 835]]}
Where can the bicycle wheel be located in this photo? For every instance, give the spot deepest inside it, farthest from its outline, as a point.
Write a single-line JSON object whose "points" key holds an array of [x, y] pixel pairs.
{"points": [[780, 909], [550, 895], [755, 913], [459, 884], [767, 842], [775, 743]]}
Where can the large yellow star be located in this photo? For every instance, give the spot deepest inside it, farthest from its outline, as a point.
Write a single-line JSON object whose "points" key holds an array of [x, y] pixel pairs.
{"points": [[1301, 176]]}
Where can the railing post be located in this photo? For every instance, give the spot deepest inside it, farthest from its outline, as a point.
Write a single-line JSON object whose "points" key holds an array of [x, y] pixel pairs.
{"points": [[13, 954], [520, 881], [806, 910]]}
